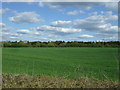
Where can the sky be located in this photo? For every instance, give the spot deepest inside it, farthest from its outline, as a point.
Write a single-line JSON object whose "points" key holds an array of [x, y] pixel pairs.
{"points": [[59, 21]]}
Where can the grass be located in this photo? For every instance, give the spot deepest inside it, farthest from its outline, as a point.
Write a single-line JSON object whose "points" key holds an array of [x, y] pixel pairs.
{"points": [[100, 63]]}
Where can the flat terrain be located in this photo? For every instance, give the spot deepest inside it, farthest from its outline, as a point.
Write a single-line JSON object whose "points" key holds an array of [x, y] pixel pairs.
{"points": [[99, 63]]}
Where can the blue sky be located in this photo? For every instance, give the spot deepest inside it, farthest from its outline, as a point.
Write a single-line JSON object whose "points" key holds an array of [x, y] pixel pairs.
{"points": [[40, 21]]}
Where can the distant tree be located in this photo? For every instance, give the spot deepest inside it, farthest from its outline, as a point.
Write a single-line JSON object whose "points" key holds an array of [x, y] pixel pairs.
{"points": [[22, 44], [51, 44], [60, 44]]}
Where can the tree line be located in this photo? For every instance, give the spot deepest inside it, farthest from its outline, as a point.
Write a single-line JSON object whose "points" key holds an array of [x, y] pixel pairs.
{"points": [[60, 44]]}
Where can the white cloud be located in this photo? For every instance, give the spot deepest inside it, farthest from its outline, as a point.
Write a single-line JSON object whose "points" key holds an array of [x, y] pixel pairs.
{"points": [[13, 37], [31, 31], [59, 29], [3, 27], [60, 23], [96, 22], [109, 27], [37, 33], [26, 17], [51, 5], [112, 6], [23, 31], [108, 16], [86, 4], [9, 34], [75, 12], [4, 10], [86, 36], [58, 5]]}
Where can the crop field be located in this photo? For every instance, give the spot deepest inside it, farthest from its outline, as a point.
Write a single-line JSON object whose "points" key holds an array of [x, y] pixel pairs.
{"points": [[100, 63]]}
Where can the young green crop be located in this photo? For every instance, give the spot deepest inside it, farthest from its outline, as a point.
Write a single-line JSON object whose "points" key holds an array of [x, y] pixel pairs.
{"points": [[71, 63]]}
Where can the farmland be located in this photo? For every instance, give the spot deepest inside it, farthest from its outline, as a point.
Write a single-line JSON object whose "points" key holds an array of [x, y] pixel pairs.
{"points": [[100, 63]]}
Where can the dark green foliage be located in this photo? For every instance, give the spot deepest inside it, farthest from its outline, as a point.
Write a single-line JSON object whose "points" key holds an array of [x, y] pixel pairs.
{"points": [[61, 44]]}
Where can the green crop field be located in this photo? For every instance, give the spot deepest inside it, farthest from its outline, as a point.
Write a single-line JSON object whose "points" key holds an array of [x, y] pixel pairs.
{"points": [[71, 63]]}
